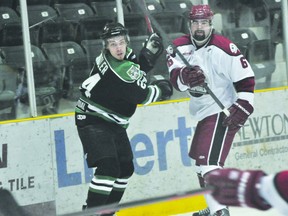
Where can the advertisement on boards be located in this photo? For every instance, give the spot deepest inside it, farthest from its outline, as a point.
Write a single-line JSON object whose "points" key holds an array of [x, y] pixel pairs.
{"points": [[42, 161]]}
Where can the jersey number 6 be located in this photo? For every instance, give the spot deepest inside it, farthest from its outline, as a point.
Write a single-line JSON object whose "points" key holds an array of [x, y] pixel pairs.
{"points": [[244, 62]]}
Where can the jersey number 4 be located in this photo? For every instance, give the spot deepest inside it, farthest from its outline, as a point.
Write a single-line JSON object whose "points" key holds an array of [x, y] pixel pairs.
{"points": [[89, 84]]}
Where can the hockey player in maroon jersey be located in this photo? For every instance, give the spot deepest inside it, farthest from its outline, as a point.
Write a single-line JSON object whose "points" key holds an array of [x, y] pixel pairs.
{"points": [[250, 188], [216, 61]]}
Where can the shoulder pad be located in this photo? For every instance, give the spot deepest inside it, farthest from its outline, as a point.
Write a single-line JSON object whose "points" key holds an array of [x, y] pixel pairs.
{"points": [[224, 44], [128, 71], [183, 40]]}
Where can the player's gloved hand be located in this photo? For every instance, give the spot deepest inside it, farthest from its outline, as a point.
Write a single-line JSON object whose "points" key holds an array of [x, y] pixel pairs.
{"points": [[233, 187], [164, 85], [154, 44], [153, 48], [192, 76], [239, 113]]}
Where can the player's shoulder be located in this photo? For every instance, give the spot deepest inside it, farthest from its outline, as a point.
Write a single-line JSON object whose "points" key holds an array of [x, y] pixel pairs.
{"points": [[224, 44], [127, 71], [182, 40]]}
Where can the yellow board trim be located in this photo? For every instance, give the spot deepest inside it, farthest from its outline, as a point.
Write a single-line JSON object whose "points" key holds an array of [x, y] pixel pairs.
{"points": [[173, 207], [152, 104]]}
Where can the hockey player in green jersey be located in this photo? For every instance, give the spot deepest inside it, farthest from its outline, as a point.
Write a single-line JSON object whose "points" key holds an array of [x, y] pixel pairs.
{"points": [[117, 83]]}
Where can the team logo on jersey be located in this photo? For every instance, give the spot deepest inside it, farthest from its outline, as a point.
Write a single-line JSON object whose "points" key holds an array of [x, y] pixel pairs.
{"points": [[135, 73], [233, 48]]}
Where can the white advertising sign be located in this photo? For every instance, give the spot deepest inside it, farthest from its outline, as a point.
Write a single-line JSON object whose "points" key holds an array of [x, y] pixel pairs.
{"points": [[25, 161], [42, 160]]}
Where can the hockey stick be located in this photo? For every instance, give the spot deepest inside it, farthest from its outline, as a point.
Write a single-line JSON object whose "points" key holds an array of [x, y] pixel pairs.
{"points": [[167, 40], [146, 15], [115, 207]]}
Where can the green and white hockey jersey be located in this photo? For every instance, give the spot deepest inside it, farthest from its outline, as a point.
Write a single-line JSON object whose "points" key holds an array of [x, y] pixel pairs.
{"points": [[113, 90]]}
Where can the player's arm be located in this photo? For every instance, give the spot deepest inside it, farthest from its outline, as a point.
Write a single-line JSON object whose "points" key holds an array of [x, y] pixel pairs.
{"points": [[157, 90], [164, 85], [175, 65], [133, 86], [188, 76], [250, 188], [183, 77], [243, 80]]}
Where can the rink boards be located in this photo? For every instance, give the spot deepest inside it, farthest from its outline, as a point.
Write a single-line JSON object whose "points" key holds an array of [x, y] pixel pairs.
{"points": [[42, 164]]}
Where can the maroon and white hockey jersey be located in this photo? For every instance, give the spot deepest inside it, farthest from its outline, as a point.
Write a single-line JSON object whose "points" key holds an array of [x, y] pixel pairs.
{"points": [[228, 73]]}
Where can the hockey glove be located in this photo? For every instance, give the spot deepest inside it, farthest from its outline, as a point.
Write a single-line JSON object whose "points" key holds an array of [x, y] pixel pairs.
{"points": [[165, 87], [153, 48], [239, 113], [192, 76], [233, 187]]}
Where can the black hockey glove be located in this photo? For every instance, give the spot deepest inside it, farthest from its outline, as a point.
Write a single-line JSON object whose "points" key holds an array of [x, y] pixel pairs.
{"points": [[239, 113], [164, 85], [153, 48], [234, 187], [192, 76]]}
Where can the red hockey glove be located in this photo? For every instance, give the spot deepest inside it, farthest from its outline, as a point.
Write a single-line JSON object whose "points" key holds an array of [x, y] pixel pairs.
{"points": [[233, 187], [192, 76], [239, 113]]}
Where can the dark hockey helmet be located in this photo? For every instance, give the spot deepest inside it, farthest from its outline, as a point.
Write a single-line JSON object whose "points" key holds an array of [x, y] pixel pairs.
{"points": [[112, 30], [201, 12]]}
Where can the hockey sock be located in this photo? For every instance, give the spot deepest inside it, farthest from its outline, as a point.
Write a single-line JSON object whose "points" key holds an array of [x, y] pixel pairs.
{"points": [[107, 171], [99, 190], [117, 192], [213, 204]]}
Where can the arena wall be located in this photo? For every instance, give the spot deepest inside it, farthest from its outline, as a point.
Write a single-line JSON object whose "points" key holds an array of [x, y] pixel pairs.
{"points": [[42, 164]]}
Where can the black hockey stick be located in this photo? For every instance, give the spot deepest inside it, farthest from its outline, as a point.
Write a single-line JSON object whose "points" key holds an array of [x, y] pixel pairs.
{"points": [[115, 207], [166, 40]]}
